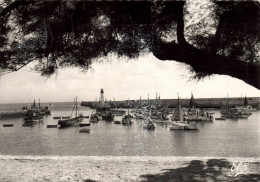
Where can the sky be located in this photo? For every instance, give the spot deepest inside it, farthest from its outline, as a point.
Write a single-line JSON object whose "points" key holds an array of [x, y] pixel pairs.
{"points": [[120, 79]]}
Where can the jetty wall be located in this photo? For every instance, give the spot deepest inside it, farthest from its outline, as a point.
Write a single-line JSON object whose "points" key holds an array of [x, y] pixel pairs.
{"points": [[12, 114], [202, 102]]}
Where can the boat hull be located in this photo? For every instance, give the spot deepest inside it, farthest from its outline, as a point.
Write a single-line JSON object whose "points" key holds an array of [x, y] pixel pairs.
{"points": [[176, 127], [126, 121], [185, 126], [32, 119], [233, 116], [69, 122], [108, 117], [149, 127], [117, 122], [200, 118]]}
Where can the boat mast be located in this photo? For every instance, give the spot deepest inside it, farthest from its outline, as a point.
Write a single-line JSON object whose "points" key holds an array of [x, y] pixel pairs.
{"points": [[245, 102], [178, 113], [180, 110], [128, 106], [228, 106], [76, 107]]}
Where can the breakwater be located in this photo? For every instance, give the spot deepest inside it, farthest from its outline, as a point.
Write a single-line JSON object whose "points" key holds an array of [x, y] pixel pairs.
{"points": [[12, 114], [202, 102]]}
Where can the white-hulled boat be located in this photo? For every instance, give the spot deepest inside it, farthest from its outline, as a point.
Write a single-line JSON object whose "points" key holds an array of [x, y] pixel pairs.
{"points": [[228, 112], [246, 107], [177, 120], [197, 114], [183, 125]]}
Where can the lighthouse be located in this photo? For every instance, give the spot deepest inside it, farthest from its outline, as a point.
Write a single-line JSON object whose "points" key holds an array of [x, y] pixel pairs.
{"points": [[102, 98]]}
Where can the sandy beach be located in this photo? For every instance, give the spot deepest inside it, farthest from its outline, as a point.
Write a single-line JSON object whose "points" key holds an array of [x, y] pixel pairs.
{"points": [[125, 168]]}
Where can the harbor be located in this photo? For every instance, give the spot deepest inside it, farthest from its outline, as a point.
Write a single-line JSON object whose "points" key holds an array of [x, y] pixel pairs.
{"points": [[147, 130], [129, 91]]}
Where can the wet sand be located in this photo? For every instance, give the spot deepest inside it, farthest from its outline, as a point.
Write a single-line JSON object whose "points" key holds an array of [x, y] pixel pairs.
{"points": [[126, 168]]}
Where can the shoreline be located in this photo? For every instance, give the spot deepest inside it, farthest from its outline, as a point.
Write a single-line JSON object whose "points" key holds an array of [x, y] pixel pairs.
{"points": [[134, 158], [125, 168]]}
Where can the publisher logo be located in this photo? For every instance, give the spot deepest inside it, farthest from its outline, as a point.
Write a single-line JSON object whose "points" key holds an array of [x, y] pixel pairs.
{"points": [[239, 168]]}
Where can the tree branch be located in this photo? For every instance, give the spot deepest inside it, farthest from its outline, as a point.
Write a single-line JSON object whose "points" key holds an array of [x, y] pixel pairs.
{"points": [[206, 62], [13, 6], [202, 61]]}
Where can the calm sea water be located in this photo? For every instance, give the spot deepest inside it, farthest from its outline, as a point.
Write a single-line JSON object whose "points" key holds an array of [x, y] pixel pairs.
{"points": [[219, 138]]}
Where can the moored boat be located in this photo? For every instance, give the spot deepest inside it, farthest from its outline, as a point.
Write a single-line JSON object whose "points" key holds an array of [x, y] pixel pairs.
{"points": [[117, 122], [220, 118], [246, 108], [107, 116], [84, 124], [33, 116], [94, 118], [52, 126], [57, 117], [183, 125], [178, 122], [196, 114], [230, 113], [149, 124], [72, 120], [127, 120]]}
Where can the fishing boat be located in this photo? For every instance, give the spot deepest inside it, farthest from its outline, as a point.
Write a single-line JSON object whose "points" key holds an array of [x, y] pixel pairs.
{"points": [[149, 124], [228, 112], [57, 117], [246, 108], [33, 114], [32, 119], [84, 124], [127, 120], [46, 110], [94, 118], [107, 116], [72, 120], [28, 124], [196, 114], [139, 115], [178, 122], [220, 118]]}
